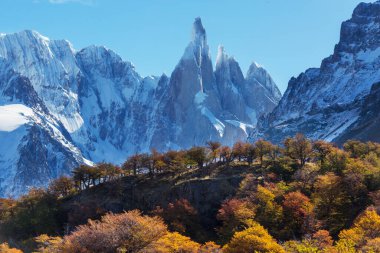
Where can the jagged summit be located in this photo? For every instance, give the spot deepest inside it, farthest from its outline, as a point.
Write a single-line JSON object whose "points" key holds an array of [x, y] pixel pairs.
{"points": [[221, 56], [258, 73], [199, 32], [27, 33], [253, 68], [92, 106], [198, 48]]}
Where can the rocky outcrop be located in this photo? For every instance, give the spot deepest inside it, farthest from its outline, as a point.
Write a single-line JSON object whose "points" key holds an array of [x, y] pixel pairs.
{"points": [[367, 126]]}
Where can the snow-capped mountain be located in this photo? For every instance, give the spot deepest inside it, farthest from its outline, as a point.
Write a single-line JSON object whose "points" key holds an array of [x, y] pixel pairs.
{"points": [[60, 107], [34, 145], [324, 102]]}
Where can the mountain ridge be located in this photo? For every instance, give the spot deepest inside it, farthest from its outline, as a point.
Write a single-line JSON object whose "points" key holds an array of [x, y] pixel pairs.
{"points": [[96, 107], [320, 97]]}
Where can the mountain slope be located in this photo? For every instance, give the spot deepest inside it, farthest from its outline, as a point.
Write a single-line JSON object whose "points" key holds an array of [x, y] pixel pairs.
{"points": [[323, 102], [367, 126], [75, 107], [35, 146]]}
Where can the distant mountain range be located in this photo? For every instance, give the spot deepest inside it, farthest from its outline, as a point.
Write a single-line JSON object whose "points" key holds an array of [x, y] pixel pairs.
{"points": [[60, 107]]}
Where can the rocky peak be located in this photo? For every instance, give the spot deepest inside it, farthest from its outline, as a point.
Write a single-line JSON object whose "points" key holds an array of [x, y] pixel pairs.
{"points": [[317, 100], [228, 68], [221, 56], [198, 48], [93, 104], [103, 61], [358, 35], [199, 32], [258, 73]]}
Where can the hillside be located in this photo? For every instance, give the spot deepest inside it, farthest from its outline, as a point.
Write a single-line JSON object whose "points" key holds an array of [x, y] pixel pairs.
{"points": [[305, 189]]}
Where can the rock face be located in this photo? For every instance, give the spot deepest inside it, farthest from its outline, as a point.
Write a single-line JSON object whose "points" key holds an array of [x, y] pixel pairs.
{"points": [[34, 145], [367, 127], [60, 108], [324, 102]]}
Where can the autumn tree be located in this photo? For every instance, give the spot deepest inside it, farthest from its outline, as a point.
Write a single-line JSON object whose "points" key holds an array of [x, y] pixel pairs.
{"points": [[321, 149], [304, 178], [62, 186], [298, 214], [158, 163], [336, 161], [214, 147], [322, 239], [180, 216], [268, 211], [247, 186], [49, 244], [82, 176], [210, 247], [274, 153], [363, 236], [132, 164], [4, 248], [298, 148], [146, 163], [331, 202], [198, 155], [239, 150], [109, 172], [173, 243], [319, 242], [33, 213], [129, 231], [262, 148], [253, 239], [225, 154], [250, 153], [177, 243], [355, 148], [234, 214]]}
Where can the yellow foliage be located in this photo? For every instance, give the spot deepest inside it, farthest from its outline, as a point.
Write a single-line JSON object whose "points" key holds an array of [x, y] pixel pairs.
{"points": [[306, 246], [174, 243], [210, 247], [264, 195], [363, 236], [4, 248], [49, 244], [254, 239]]}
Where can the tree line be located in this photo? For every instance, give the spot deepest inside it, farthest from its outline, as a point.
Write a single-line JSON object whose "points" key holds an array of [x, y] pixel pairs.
{"points": [[300, 196]]}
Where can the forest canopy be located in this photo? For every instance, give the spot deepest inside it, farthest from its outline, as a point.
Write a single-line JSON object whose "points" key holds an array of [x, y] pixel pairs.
{"points": [[300, 196]]}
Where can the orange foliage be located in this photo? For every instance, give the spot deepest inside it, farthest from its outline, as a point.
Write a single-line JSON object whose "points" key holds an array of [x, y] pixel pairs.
{"points": [[129, 230], [4, 248]]}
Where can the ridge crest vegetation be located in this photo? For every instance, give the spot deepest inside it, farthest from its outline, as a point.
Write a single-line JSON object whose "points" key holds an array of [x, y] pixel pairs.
{"points": [[301, 196]]}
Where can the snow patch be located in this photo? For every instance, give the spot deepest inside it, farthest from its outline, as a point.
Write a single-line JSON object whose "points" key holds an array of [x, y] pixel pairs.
{"points": [[369, 56], [219, 126], [252, 115], [13, 116], [72, 123], [241, 125], [200, 97]]}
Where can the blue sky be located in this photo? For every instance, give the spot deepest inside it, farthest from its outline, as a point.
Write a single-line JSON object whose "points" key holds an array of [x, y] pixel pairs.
{"points": [[285, 36]]}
